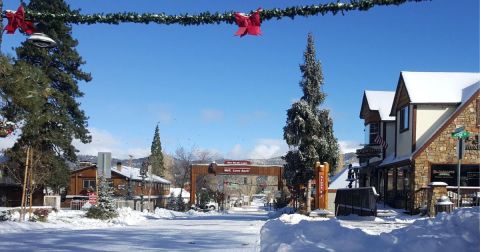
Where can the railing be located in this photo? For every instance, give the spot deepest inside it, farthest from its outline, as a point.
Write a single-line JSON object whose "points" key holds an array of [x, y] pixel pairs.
{"points": [[77, 204], [469, 195], [361, 201]]}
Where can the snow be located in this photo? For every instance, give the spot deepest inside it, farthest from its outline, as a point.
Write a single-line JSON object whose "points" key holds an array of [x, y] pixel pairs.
{"points": [[244, 229], [459, 231], [448, 86], [436, 183], [382, 102], [134, 174], [176, 192]]}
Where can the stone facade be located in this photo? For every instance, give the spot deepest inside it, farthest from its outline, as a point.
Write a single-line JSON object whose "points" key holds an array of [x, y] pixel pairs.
{"points": [[441, 149]]}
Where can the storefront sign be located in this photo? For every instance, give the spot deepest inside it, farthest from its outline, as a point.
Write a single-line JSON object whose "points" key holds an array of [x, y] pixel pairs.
{"points": [[236, 170], [439, 174], [367, 152]]}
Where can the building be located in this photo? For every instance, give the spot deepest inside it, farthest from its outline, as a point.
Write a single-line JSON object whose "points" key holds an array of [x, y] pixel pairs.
{"points": [[127, 184], [412, 145]]}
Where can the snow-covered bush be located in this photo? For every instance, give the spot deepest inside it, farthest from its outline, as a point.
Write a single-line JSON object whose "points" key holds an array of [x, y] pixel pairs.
{"points": [[41, 214], [105, 208], [5, 215]]}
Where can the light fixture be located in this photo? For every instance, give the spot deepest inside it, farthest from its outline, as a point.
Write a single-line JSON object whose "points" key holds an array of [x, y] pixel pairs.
{"points": [[41, 40]]}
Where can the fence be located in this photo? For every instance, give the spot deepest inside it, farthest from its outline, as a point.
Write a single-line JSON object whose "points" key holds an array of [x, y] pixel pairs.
{"points": [[469, 195], [361, 201], [77, 204]]}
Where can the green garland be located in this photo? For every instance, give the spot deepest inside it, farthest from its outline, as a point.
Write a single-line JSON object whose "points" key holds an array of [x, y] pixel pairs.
{"points": [[213, 18]]}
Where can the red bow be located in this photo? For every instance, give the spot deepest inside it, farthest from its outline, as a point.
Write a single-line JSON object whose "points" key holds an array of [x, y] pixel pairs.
{"points": [[248, 24], [16, 19]]}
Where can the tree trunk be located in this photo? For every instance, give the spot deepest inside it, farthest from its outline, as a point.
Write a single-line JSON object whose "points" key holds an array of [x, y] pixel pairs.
{"points": [[1, 24]]}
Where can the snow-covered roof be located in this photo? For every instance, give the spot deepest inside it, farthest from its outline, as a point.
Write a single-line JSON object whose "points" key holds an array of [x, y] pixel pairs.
{"points": [[134, 174], [438, 87], [176, 192], [340, 179], [382, 102]]}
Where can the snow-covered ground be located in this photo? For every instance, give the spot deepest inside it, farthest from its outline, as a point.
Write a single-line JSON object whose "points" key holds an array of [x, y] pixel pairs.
{"points": [[459, 231], [244, 229], [163, 230]]}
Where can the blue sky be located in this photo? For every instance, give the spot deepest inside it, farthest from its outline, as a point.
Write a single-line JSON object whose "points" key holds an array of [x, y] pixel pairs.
{"points": [[209, 89]]}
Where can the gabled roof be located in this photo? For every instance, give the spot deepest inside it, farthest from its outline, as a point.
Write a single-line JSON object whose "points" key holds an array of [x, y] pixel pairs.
{"points": [[434, 87], [380, 101], [133, 173], [469, 94]]}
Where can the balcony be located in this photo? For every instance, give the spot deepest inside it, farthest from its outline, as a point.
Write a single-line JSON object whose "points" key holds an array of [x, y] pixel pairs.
{"points": [[369, 151]]}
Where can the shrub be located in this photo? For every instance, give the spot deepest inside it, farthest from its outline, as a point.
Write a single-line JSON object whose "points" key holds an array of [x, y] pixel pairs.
{"points": [[5, 216], [41, 214], [96, 212]]}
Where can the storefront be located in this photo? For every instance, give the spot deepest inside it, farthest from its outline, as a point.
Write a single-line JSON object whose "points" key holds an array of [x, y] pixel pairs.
{"points": [[469, 174]]}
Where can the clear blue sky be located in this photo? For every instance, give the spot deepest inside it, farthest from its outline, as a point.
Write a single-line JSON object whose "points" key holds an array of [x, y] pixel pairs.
{"points": [[210, 89]]}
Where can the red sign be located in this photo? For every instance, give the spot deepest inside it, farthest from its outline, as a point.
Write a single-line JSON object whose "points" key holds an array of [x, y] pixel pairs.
{"points": [[240, 162], [92, 198], [236, 170]]}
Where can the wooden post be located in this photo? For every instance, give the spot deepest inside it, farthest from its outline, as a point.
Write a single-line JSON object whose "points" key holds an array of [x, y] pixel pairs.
{"points": [[321, 180], [317, 185], [24, 192], [326, 168], [193, 185], [30, 186]]}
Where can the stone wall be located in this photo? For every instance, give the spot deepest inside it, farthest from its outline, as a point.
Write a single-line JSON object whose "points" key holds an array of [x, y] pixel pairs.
{"points": [[442, 150]]}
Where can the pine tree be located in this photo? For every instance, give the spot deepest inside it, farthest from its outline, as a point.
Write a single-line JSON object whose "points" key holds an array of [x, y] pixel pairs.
{"points": [[172, 202], [156, 158], [105, 208], [309, 129], [59, 119], [180, 204]]}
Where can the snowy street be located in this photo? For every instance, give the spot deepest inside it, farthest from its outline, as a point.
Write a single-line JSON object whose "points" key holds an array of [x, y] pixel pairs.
{"points": [[243, 229], [236, 231]]}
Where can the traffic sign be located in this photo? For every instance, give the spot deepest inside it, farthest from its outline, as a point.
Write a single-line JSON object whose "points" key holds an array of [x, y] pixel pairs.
{"points": [[461, 134]]}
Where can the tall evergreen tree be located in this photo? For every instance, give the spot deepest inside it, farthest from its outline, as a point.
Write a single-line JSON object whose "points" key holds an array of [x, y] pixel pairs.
{"points": [[156, 157], [59, 119], [309, 129]]}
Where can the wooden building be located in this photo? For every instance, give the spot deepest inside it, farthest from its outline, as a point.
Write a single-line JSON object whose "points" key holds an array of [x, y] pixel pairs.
{"points": [[126, 181]]}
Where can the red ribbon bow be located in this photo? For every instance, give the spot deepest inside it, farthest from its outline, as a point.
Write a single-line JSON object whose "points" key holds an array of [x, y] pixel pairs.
{"points": [[248, 24], [16, 19]]}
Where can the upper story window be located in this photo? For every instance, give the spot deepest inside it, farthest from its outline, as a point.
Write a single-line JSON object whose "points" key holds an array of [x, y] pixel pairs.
{"points": [[404, 118], [89, 183], [371, 131]]}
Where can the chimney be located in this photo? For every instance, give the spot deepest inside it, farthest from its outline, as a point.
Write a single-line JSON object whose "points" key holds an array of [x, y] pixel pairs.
{"points": [[119, 166]]}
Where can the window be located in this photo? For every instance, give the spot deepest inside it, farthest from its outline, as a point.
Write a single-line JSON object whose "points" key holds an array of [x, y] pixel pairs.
{"points": [[371, 131], [404, 116], [89, 183]]}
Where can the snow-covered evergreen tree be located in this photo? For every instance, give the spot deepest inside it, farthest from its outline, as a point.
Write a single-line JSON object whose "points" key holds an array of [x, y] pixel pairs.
{"points": [[156, 157], [105, 208], [309, 129]]}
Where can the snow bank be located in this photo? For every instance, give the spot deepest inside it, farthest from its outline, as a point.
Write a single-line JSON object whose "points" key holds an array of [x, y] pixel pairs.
{"points": [[459, 231], [76, 220]]}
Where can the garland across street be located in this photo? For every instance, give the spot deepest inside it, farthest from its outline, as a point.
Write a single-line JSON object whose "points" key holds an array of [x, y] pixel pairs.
{"points": [[212, 18]]}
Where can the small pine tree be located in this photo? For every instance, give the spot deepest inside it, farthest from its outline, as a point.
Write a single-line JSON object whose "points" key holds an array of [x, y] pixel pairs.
{"points": [[156, 157], [172, 202], [105, 208], [181, 206]]}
